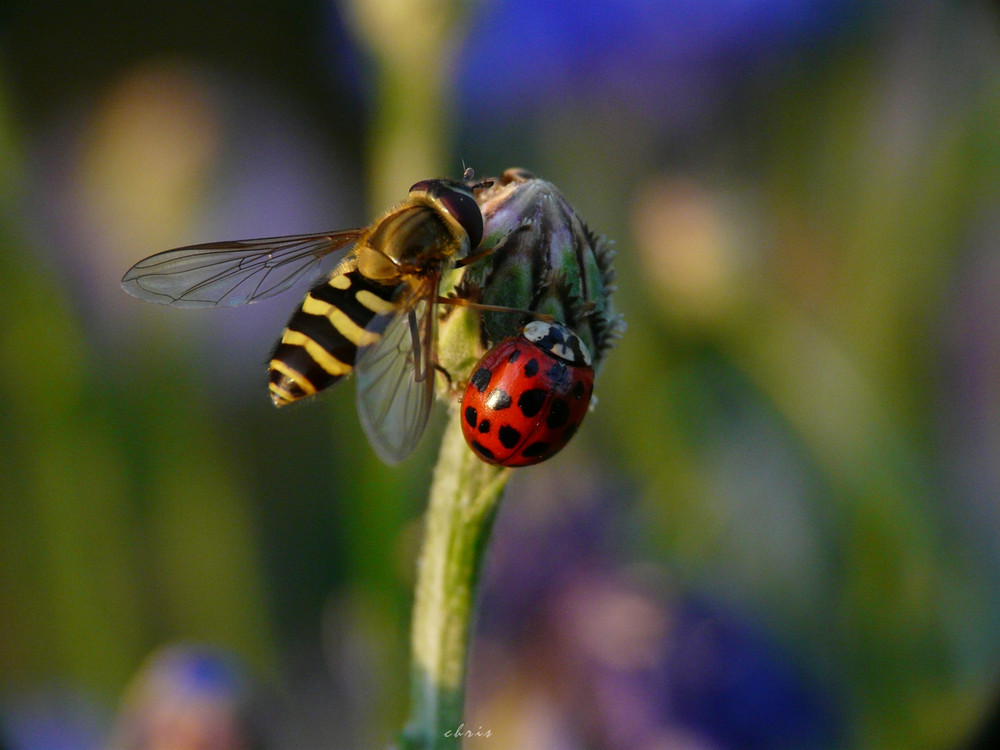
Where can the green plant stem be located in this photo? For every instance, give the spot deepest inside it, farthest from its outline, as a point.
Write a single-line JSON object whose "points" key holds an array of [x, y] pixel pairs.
{"points": [[464, 497]]}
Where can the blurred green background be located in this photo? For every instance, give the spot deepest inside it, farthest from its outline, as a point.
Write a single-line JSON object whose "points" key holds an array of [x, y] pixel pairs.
{"points": [[779, 526]]}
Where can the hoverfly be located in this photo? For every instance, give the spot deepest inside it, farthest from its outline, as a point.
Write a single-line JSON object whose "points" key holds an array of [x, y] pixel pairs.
{"points": [[374, 314]]}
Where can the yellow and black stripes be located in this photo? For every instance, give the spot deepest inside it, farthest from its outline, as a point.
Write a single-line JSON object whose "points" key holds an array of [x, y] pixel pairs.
{"points": [[321, 340]]}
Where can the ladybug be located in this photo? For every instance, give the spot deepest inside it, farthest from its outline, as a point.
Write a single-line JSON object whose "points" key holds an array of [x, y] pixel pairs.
{"points": [[528, 395]]}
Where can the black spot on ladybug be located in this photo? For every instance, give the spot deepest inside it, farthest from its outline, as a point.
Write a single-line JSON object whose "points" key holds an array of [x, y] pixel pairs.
{"points": [[569, 432], [498, 399], [509, 437], [481, 379], [484, 426], [482, 450], [558, 414], [557, 372], [514, 356], [531, 401], [536, 449], [577, 391], [531, 368], [471, 416]]}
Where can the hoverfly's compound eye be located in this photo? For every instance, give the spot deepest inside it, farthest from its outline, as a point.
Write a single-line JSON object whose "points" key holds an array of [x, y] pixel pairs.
{"points": [[457, 200], [464, 208], [424, 186]]}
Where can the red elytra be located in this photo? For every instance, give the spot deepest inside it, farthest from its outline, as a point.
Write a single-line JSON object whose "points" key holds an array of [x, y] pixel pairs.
{"points": [[527, 396]]}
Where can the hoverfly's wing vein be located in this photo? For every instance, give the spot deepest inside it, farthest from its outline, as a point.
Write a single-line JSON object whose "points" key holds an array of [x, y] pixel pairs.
{"points": [[223, 274], [395, 380]]}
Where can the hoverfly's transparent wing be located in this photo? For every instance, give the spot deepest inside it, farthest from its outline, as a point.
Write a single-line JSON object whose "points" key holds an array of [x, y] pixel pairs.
{"points": [[223, 274], [395, 380]]}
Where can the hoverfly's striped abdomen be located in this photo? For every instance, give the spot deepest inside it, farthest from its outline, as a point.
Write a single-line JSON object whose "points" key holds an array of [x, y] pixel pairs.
{"points": [[321, 340]]}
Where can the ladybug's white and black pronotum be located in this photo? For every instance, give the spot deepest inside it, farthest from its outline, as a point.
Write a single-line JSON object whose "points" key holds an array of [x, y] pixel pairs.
{"points": [[528, 395]]}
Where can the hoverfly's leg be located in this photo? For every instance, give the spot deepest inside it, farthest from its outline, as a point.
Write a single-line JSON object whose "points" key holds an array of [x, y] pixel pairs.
{"points": [[460, 302], [418, 369], [470, 259], [447, 375]]}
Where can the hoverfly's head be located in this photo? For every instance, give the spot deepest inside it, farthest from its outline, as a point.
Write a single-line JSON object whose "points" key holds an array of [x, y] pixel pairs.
{"points": [[457, 199]]}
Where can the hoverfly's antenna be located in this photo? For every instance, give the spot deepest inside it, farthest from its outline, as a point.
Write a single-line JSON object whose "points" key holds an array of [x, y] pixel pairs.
{"points": [[469, 174]]}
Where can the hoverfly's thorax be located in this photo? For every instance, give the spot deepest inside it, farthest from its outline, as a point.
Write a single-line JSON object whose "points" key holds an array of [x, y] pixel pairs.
{"points": [[411, 240]]}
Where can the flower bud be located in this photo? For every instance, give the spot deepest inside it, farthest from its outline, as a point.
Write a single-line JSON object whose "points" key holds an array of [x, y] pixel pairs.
{"points": [[544, 260]]}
